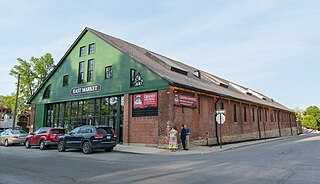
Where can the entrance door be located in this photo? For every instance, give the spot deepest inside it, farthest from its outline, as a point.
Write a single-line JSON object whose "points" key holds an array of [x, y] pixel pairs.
{"points": [[112, 113]]}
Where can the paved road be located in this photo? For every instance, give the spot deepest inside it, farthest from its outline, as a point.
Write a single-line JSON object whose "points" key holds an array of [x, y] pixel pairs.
{"points": [[290, 161]]}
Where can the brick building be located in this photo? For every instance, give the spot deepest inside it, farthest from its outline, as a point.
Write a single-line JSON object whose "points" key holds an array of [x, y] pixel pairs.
{"points": [[102, 80]]}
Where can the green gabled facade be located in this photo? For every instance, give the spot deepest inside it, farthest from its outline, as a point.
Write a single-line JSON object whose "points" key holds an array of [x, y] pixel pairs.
{"points": [[104, 55]]}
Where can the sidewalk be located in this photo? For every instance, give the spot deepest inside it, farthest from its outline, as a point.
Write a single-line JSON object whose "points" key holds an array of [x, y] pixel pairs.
{"points": [[192, 150]]}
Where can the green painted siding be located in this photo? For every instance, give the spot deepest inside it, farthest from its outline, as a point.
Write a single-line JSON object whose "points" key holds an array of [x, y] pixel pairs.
{"points": [[39, 117], [105, 55]]}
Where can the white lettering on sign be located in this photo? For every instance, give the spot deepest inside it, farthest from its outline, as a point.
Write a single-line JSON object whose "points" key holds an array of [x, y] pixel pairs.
{"points": [[85, 89]]}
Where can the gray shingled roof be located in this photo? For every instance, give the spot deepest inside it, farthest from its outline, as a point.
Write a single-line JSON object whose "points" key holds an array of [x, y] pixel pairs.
{"points": [[207, 82]]}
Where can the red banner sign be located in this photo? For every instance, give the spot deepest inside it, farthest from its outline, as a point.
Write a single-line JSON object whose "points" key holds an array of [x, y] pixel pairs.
{"points": [[145, 100], [182, 100]]}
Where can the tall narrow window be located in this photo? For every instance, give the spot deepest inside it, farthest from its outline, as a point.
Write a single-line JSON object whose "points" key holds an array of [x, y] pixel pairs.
{"points": [[81, 72], [221, 105], [91, 48], [245, 113], [65, 80], [47, 91], [271, 116], [90, 70], [253, 118], [234, 112], [108, 72], [82, 51], [136, 79], [266, 115]]}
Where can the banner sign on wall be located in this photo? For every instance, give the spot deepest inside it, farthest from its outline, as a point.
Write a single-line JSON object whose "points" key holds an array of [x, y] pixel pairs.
{"points": [[182, 100], [145, 100]]}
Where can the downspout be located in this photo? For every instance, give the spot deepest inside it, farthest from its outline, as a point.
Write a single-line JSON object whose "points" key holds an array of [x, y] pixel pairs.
{"points": [[215, 107]]}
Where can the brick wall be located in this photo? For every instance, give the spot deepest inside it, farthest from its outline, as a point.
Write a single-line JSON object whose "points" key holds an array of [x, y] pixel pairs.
{"points": [[153, 131]]}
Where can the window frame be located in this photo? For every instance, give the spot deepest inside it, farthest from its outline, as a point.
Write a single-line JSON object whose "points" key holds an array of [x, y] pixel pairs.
{"points": [[110, 72], [89, 48], [65, 80], [235, 113], [82, 54], [81, 77], [135, 78], [90, 71], [245, 114]]}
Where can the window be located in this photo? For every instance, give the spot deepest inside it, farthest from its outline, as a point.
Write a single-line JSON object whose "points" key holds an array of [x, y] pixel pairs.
{"points": [[82, 51], [91, 48], [271, 116], [245, 114], [253, 119], [90, 70], [234, 112], [65, 80], [221, 105], [81, 72], [46, 93], [108, 72], [136, 79], [266, 115]]}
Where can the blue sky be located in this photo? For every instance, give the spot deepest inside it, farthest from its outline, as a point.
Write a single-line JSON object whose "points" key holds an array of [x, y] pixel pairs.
{"points": [[270, 46]]}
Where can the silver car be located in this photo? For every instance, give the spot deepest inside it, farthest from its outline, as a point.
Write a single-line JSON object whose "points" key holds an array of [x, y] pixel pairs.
{"points": [[10, 137]]}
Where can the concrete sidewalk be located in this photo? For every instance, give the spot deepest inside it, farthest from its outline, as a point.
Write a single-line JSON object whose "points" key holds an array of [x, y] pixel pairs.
{"points": [[192, 150]]}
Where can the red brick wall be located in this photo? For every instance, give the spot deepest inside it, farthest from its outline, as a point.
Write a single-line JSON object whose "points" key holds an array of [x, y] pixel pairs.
{"points": [[154, 130]]}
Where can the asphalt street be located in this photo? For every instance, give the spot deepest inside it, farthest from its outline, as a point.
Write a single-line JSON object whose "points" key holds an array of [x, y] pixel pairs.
{"points": [[289, 161]]}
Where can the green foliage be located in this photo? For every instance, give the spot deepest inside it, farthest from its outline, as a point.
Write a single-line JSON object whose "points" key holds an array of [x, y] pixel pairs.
{"points": [[299, 113], [32, 74], [309, 122], [8, 101], [313, 111]]}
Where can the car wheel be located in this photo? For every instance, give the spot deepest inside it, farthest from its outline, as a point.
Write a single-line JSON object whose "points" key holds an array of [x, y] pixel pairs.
{"points": [[109, 149], [6, 143], [86, 148], [42, 145], [27, 144], [61, 146]]}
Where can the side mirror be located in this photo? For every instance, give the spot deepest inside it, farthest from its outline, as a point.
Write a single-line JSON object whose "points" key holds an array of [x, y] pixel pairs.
{"points": [[31, 133]]}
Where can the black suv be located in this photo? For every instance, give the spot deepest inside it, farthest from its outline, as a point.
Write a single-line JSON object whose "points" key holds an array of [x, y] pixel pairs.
{"points": [[88, 138]]}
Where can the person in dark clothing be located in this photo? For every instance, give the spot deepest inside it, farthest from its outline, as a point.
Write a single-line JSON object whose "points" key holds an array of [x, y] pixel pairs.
{"points": [[183, 136]]}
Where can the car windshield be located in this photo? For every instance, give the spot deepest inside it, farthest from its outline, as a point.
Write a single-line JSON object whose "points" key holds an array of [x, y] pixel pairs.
{"points": [[18, 132], [57, 131], [102, 131]]}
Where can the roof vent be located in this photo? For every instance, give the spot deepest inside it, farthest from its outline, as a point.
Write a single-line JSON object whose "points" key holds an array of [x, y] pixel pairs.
{"points": [[223, 85], [264, 98], [178, 70], [248, 93], [197, 74]]}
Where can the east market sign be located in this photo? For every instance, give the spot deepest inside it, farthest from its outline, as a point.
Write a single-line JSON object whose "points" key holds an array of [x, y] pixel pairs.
{"points": [[85, 89]]}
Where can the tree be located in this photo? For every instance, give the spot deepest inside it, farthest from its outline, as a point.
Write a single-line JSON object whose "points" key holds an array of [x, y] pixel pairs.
{"points": [[309, 122], [8, 101], [32, 74], [299, 113], [313, 111]]}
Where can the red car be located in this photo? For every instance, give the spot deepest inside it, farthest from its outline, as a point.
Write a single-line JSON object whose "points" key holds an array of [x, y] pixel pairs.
{"points": [[44, 137]]}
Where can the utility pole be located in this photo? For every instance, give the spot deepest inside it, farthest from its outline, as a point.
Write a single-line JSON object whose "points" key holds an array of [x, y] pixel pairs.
{"points": [[16, 106]]}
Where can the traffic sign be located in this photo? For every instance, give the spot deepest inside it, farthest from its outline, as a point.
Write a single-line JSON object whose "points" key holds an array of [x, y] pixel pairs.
{"points": [[220, 118]]}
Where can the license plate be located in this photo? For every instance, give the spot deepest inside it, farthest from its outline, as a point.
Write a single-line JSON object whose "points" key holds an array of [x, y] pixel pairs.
{"points": [[108, 137]]}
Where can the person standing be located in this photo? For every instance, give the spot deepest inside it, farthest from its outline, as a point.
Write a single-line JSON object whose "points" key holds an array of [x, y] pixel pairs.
{"points": [[183, 137], [187, 137], [173, 139]]}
